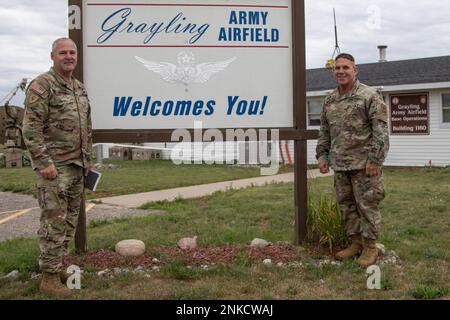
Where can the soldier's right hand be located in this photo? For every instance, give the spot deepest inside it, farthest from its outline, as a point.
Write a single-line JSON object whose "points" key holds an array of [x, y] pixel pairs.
{"points": [[49, 173], [324, 168]]}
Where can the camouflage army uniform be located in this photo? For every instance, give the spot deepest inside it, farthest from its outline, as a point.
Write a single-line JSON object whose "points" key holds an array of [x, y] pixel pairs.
{"points": [[354, 131], [57, 129]]}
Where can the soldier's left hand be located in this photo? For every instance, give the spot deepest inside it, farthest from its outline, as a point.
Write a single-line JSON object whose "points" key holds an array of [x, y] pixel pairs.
{"points": [[88, 168], [372, 170]]}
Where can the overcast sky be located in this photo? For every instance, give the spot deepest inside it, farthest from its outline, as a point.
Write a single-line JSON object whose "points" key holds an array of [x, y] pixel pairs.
{"points": [[411, 29]]}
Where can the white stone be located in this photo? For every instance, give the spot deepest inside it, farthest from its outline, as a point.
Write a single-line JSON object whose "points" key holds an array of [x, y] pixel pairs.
{"points": [[295, 264], [324, 262], [130, 248], [280, 264], [259, 243], [103, 273], [381, 248], [267, 261], [155, 268], [154, 260], [35, 275], [13, 275], [187, 243], [139, 269]]}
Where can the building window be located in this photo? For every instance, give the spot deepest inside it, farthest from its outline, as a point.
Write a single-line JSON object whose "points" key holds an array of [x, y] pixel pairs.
{"points": [[446, 108], [314, 111]]}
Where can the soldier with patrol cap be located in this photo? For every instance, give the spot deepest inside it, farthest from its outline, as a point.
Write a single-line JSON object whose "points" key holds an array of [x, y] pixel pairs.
{"points": [[354, 138], [57, 131]]}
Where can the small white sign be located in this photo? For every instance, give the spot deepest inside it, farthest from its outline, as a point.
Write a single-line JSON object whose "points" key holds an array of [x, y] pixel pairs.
{"points": [[165, 64]]}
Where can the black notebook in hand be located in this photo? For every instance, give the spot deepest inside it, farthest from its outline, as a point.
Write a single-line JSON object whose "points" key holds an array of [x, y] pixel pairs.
{"points": [[92, 179]]}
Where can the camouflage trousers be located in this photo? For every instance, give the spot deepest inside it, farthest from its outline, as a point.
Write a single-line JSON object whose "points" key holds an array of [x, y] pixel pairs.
{"points": [[59, 200], [359, 197]]}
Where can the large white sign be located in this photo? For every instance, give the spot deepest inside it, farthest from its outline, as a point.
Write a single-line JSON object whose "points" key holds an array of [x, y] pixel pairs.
{"points": [[165, 64]]}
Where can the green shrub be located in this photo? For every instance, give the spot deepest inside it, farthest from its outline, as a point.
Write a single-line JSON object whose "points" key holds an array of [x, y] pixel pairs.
{"points": [[325, 225]]}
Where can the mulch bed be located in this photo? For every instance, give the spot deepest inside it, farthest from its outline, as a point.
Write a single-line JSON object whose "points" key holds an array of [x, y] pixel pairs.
{"points": [[224, 254]]}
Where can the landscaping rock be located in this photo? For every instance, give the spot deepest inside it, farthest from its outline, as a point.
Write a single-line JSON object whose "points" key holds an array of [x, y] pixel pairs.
{"points": [[139, 269], [391, 257], [13, 275], [295, 264], [130, 248], [323, 263], [259, 243], [267, 262], [154, 260], [381, 249], [35, 275], [187, 243], [117, 271], [103, 273]]}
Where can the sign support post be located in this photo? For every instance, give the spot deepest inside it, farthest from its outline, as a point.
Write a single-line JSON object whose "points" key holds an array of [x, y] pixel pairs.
{"points": [[76, 34], [300, 112]]}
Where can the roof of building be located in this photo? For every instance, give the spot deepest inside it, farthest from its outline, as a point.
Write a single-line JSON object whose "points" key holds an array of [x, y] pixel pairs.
{"points": [[392, 73]]}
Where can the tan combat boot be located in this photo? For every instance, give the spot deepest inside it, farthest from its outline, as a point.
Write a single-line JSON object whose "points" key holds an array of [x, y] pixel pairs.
{"points": [[353, 250], [370, 253], [52, 286], [63, 276]]}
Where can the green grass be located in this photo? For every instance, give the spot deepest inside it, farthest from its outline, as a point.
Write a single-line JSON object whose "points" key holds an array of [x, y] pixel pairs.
{"points": [[139, 176], [429, 293], [19, 254], [410, 226]]}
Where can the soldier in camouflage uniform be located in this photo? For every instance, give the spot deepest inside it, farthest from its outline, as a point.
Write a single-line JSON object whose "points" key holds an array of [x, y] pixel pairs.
{"points": [[354, 137], [58, 134]]}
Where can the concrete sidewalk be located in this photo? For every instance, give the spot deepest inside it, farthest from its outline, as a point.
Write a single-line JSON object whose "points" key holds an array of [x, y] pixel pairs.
{"points": [[136, 200]]}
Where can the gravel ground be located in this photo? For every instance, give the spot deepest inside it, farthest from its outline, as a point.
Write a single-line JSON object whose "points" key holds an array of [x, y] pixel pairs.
{"points": [[27, 224]]}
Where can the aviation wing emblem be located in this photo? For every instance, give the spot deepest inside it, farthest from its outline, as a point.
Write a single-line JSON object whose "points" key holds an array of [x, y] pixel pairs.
{"points": [[186, 72]]}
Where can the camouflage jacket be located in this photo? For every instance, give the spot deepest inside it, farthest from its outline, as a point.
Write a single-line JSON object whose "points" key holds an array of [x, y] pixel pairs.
{"points": [[57, 121], [353, 129]]}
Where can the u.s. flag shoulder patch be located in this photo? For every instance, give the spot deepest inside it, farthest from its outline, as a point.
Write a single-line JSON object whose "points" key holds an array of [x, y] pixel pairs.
{"points": [[36, 87]]}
